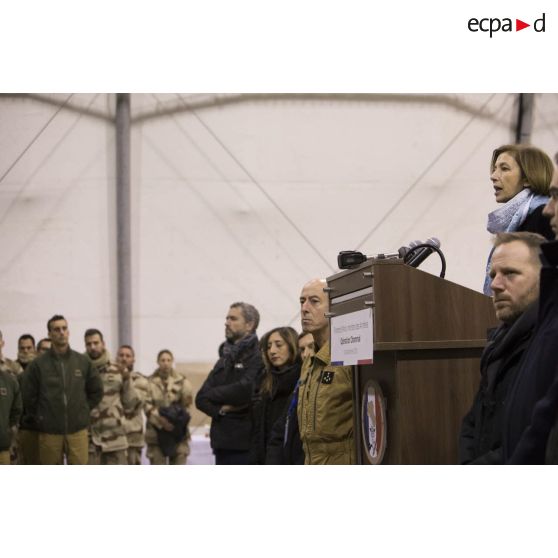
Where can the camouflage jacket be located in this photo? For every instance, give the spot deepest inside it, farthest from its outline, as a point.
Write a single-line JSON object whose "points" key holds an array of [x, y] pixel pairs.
{"points": [[119, 397], [10, 408], [177, 389], [10, 366], [134, 420]]}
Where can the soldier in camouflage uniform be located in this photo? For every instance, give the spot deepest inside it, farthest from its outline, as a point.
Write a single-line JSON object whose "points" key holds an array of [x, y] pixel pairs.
{"points": [[134, 421], [10, 411], [6, 364], [14, 368], [108, 442], [166, 387]]}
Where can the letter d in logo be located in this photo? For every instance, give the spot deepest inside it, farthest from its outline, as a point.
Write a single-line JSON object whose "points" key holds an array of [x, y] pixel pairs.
{"points": [[539, 25]]}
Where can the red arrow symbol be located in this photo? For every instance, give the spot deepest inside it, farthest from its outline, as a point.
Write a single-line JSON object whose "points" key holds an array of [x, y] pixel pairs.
{"points": [[519, 25]]}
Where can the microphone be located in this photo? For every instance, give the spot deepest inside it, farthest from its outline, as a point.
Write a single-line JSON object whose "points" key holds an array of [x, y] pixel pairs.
{"points": [[348, 259], [420, 254]]}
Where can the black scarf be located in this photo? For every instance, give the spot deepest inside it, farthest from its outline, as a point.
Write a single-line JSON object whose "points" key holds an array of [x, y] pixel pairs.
{"points": [[232, 351]]}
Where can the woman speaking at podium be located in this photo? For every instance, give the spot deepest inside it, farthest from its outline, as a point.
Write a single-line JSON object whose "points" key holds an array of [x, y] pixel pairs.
{"points": [[521, 177]]}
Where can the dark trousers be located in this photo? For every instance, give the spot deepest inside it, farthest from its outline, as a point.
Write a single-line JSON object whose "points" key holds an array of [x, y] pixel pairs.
{"points": [[231, 457]]}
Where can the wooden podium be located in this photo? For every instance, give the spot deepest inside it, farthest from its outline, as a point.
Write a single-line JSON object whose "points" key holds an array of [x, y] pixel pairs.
{"points": [[429, 334]]}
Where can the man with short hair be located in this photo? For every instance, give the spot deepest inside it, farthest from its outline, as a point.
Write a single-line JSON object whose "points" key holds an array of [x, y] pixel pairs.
{"points": [[25, 350], [25, 450], [325, 401], [134, 420], [109, 443], [531, 428], [227, 392], [305, 345], [6, 364], [514, 274], [43, 346], [60, 387]]}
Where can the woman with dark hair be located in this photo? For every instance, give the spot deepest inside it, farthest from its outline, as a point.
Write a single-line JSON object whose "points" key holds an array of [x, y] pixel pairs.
{"points": [[282, 363], [521, 177], [169, 397]]}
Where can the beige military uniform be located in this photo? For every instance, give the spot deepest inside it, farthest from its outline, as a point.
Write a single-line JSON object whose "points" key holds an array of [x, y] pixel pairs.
{"points": [[134, 421], [10, 366], [162, 393], [109, 443]]}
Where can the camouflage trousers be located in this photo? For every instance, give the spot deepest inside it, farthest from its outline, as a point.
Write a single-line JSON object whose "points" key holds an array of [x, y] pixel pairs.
{"points": [[53, 447], [5, 457], [156, 456], [99, 457], [134, 455]]}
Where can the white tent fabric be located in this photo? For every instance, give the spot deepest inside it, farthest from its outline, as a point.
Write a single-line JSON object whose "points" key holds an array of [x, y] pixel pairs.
{"points": [[235, 197]]}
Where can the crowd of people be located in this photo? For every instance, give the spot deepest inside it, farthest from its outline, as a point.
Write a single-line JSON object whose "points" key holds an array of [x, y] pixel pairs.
{"points": [[278, 399]]}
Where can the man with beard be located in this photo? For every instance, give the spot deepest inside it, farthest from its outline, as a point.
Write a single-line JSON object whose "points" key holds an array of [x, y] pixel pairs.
{"points": [[134, 420], [227, 392], [531, 426], [26, 447], [108, 444], [25, 350], [514, 274]]}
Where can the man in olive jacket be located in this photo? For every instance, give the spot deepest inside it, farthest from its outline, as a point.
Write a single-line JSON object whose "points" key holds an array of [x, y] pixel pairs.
{"points": [[59, 390], [325, 393]]}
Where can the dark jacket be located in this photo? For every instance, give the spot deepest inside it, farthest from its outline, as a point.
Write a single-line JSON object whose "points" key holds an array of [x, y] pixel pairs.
{"points": [[533, 401], [268, 408], [284, 446], [10, 408], [480, 441], [536, 222], [232, 382], [179, 418], [60, 391]]}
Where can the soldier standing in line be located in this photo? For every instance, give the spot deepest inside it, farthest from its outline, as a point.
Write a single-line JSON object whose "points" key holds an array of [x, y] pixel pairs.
{"points": [[43, 346], [60, 387], [25, 350], [6, 364], [10, 411], [108, 443], [25, 448], [167, 410], [134, 423]]}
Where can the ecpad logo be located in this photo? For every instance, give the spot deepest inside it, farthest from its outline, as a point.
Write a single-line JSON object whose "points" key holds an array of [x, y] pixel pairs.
{"points": [[494, 24]]}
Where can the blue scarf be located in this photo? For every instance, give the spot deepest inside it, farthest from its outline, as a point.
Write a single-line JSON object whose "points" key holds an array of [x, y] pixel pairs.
{"points": [[509, 218]]}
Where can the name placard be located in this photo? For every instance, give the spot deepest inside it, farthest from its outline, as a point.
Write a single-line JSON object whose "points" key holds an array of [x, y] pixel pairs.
{"points": [[351, 338]]}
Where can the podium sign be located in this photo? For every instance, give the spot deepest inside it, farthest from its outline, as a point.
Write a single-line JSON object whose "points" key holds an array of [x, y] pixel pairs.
{"points": [[352, 338]]}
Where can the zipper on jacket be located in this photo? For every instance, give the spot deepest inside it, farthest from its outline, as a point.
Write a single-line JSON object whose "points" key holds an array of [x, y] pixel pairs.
{"points": [[316, 400], [64, 398]]}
